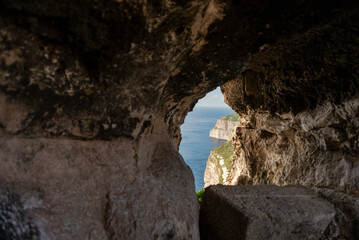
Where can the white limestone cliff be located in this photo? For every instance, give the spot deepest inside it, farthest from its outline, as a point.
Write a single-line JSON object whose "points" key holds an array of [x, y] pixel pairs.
{"points": [[224, 128]]}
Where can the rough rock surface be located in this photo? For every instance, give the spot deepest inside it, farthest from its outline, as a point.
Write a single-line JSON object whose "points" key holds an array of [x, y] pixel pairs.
{"points": [[97, 189], [280, 148], [219, 165], [223, 129], [93, 93], [299, 105], [213, 172], [268, 212]]}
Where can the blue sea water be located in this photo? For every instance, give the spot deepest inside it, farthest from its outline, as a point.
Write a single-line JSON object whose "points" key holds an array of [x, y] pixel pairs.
{"points": [[196, 143]]}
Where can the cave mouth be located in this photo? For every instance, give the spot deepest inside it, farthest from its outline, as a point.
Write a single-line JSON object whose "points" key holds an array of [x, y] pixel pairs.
{"points": [[196, 143]]}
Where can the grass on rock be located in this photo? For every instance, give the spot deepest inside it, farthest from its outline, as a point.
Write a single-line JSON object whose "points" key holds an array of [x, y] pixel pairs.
{"points": [[226, 152], [233, 117]]}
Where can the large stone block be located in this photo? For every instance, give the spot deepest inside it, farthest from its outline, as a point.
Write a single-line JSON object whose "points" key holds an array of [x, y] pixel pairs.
{"points": [[267, 212], [73, 189]]}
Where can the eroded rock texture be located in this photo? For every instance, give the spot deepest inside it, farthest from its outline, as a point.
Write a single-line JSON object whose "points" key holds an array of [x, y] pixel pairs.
{"points": [[92, 94], [212, 173], [268, 212], [299, 103]]}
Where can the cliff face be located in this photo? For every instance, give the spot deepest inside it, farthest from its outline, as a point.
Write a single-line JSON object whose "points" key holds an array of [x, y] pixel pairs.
{"points": [[223, 129], [219, 165], [213, 172], [219, 162], [93, 93]]}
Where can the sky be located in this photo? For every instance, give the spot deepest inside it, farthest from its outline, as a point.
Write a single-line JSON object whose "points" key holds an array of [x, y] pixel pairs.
{"points": [[213, 99]]}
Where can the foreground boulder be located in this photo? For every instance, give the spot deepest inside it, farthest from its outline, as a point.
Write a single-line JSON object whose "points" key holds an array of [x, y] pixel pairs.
{"points": [[267, 212]]}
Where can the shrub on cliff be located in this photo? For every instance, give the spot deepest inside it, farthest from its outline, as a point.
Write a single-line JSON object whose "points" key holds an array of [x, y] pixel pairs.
{"points": [[200, 195]]}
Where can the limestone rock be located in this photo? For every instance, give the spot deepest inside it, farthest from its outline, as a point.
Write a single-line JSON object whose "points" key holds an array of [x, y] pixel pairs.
{"points": [[212, 172], [316, 148], [223, 129], [219, 165], [281, 151], [302, 114], [299, 73], [267, 212], [348, 205], [93, 93], [88, 183]]}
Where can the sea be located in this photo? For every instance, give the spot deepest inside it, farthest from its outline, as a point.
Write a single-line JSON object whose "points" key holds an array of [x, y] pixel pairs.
{"points": [[196, 144]]}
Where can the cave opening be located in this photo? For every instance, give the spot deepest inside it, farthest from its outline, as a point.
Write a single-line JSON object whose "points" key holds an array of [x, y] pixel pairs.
{"points": [[201, 135], [93, 93]]}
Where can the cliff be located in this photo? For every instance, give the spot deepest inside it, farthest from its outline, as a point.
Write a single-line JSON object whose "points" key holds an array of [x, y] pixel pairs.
{"points": [[219, 165], [224, 127]]}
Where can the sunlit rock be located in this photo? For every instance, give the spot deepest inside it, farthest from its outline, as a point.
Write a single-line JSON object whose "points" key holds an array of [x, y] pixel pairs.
{"points": [[225, 127]]}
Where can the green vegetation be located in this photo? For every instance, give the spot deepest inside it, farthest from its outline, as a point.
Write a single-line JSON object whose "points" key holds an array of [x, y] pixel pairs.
{"points": [[226, 152], [233, 117], [221, 181], [200, 195]]}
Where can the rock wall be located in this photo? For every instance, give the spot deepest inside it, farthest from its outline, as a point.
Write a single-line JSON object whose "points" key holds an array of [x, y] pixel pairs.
{"points": [[314, 148], [300, 115], [281, 147], [93, 93], [223, 129], [91, 100]]}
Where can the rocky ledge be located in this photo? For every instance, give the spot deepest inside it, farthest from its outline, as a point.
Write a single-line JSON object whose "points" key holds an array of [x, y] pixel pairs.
{"points": [[269, 212]]}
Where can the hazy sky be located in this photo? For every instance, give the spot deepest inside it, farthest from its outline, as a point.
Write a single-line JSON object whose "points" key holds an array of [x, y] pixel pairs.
{"points": [[213, 99]]}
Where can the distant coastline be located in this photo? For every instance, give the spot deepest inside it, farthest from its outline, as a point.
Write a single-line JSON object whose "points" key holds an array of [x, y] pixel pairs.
{"points": [[196, 144], [219, 163]]}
